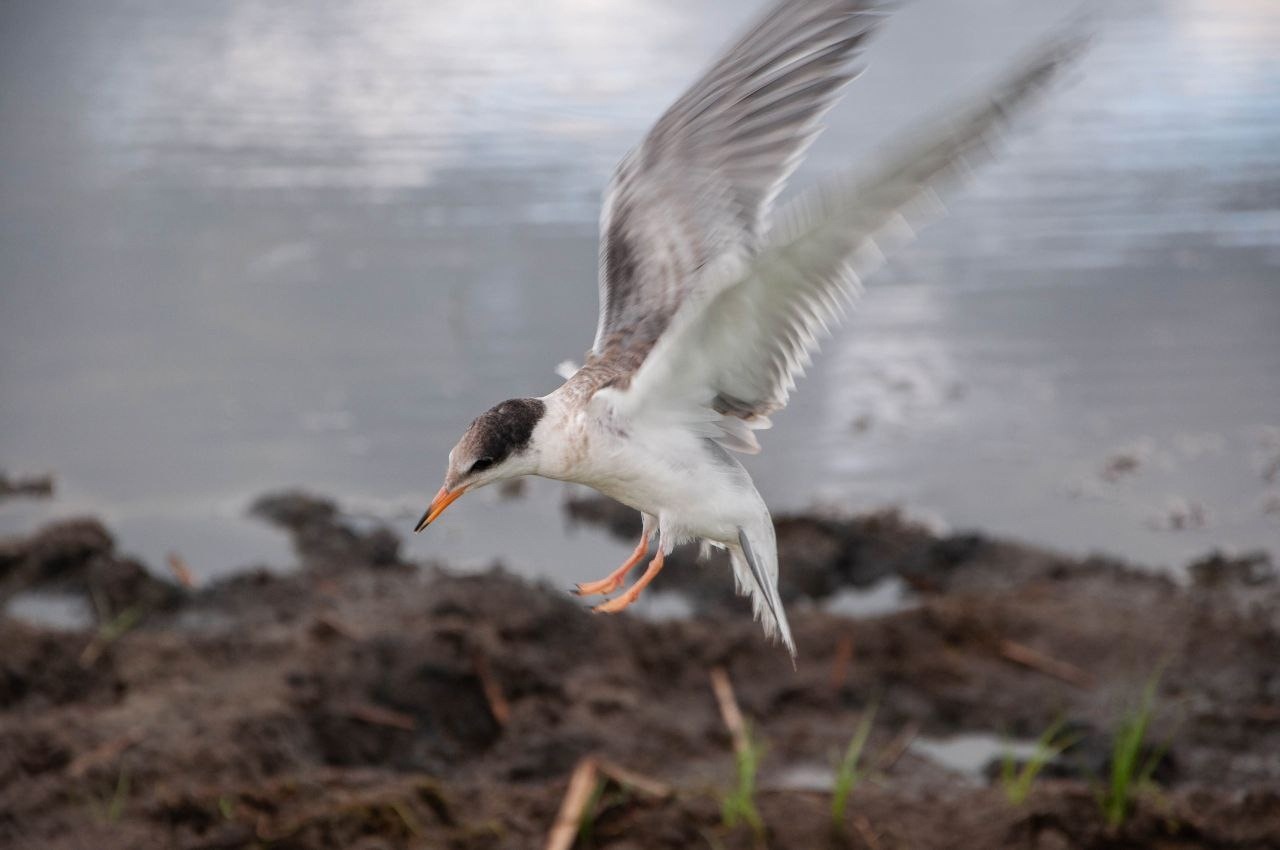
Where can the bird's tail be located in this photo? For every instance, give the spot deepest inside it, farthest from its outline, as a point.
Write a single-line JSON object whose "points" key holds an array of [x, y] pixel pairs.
{"points": [[755, 572]]}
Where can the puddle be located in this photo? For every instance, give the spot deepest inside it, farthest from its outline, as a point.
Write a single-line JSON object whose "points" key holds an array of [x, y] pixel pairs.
{"points": [[54, 610], [819, 778], [970, 754], [661, 607], [886, 597]]}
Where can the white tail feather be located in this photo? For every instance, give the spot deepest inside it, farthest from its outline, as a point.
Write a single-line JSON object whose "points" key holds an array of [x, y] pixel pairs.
{"points": [[755, 573]]}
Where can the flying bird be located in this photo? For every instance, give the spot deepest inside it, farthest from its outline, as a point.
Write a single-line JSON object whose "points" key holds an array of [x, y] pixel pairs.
{"points": [[710, 306]]}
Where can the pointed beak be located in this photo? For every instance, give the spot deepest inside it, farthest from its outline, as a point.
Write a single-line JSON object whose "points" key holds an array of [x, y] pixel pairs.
{"points": [[443, 499]]}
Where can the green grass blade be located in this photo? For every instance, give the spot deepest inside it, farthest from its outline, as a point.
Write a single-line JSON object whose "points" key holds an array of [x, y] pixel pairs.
{"points": [[848, 773]]}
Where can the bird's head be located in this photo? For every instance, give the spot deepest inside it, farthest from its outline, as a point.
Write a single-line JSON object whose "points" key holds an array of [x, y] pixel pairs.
{"points": [[498, 445]]}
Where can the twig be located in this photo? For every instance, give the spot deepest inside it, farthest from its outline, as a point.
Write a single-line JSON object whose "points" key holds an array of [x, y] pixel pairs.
{"points": [[889, 755], [582, 787], [498, 705], [377, 715], [841, 662], [180, 570], [867, 834], [729, 711], [635, 781], [1064, 671]]}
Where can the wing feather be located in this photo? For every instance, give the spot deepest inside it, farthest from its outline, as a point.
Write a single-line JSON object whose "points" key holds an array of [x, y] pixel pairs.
{"points": [[739, 343], [701, 184]]}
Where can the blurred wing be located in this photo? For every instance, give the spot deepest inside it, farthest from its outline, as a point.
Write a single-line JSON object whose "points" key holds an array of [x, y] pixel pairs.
{"points": [[700, 185], [735, 350]]}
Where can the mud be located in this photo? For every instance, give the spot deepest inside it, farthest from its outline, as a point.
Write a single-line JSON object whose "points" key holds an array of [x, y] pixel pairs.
{"points": [[80, 556], [365, 702]]}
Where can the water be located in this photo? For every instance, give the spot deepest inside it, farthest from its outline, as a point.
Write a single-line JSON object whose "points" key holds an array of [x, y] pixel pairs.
{"points": [[970, 754], [966, 755], [257, 244]]}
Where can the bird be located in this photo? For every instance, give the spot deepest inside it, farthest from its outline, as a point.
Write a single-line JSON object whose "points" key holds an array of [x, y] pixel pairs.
{"points": [[711, 304]]}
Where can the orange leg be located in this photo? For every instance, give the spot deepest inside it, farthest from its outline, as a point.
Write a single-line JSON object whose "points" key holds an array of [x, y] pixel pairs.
{"points": [[615, 605], [614, 580]]}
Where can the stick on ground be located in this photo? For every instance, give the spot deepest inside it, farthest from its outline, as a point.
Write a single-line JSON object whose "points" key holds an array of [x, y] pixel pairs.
{"points": [[582, 787], [498, 705], [634, 781], [841, 663], [181, 572], [729, 710], [865, 831], [897, 747], [377, 715], [1064, 671]]}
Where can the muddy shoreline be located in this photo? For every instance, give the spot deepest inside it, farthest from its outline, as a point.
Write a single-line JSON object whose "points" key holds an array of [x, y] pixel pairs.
{"points": [[363, 701]]}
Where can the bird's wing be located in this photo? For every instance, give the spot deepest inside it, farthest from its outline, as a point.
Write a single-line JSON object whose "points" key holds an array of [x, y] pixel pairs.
{"points": [[735, 348], [700, 185]]}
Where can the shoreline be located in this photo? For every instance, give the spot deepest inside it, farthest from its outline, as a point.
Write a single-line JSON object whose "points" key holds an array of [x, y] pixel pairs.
{"points": [[366, 701]]}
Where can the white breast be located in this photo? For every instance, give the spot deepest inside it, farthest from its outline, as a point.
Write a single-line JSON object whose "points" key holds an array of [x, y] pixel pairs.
{"points": [[694, 488]]}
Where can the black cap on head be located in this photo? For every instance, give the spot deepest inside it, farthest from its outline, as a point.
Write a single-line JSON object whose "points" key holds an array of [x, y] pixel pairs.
{"points": [[504, 429]]}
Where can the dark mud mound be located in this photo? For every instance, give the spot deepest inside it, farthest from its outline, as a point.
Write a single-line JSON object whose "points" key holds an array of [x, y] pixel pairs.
{"points": [[80, 556], [323, 537], [826, 554], [365, 703]]}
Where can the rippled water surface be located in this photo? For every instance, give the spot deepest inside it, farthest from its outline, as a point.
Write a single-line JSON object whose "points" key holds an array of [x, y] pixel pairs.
{"points": [[253, 243]]}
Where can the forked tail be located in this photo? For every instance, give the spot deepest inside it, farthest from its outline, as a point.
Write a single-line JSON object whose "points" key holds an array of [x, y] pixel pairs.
{"points": [[755, 572]]}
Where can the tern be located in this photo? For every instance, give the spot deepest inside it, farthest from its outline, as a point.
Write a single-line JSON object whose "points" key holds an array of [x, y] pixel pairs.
{"points": [[710, 307]]}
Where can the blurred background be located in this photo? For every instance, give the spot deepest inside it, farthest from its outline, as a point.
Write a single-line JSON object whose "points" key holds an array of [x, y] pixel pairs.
{"points": [[255, 245], [251, 244]]}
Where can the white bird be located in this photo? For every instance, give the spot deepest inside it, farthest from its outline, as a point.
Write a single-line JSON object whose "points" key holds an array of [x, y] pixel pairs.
{"points": [[707, 314]]}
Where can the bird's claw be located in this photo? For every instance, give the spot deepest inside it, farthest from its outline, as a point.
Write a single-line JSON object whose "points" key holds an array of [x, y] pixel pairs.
{"points": [[613, 606], [596, 588]]}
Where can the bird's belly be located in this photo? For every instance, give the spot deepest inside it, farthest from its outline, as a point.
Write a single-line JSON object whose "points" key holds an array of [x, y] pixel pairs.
{"points": [[693, 500]]}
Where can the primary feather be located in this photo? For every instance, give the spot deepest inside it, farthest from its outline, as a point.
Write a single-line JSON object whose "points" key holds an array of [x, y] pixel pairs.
{"points": [[700, 185], [744, 333]]}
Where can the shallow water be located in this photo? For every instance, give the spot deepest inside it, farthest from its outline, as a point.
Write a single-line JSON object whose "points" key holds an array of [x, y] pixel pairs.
{"points": [[970, 754], [255, 244]]}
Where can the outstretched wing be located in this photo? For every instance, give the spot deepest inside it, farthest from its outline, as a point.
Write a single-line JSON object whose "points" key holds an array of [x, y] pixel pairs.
{"points": [[735, 348], [700, 185]]}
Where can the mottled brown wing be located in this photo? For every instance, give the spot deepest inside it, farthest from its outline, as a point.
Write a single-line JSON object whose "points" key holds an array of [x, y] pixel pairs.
{"points": [[701, 184]]}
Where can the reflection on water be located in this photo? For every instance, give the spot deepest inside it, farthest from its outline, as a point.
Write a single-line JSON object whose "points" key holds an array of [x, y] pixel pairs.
{"points": [[253, 244]]}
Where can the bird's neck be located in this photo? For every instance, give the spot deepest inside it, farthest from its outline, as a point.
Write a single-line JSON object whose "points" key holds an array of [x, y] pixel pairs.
{"points": [[574, 444]]}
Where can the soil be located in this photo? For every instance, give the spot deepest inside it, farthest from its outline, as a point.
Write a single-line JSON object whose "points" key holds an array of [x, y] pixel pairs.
{"points": [[366, 702]]}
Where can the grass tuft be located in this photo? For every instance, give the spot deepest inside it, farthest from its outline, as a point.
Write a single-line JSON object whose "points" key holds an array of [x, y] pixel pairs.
{"points": [[1017, 780], [739, 805], [587, 823], [1130, 772], [109, 809], [850, 773]]}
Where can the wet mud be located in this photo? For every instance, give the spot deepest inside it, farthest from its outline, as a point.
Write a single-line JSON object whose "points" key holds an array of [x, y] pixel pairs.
{"points": [[362, 701]]}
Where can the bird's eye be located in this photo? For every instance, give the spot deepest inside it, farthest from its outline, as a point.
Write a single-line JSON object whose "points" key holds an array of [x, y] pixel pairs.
{"points": [[481, 465]]}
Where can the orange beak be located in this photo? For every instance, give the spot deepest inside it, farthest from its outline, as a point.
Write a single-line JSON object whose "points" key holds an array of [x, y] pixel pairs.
{"points": [[443, 499]]}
